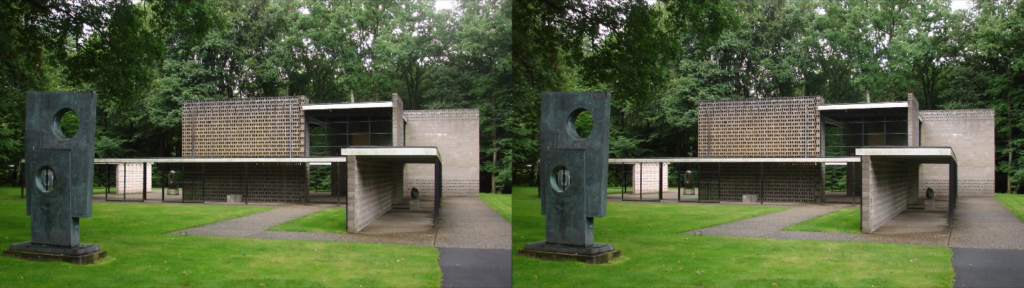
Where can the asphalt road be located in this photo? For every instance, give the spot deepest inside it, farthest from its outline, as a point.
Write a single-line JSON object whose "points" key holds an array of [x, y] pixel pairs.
{"points": [[466, 267], [988, 267]]}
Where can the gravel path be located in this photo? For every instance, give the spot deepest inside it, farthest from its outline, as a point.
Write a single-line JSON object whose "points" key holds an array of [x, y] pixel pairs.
{"points": [[980, 222], [466, 222]]}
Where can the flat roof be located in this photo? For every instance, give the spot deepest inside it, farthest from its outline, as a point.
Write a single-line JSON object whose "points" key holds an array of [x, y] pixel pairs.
{"points": [[856, 106], [221, 160], [342, 106], [735, 160], [404, 154], [923, 154]]}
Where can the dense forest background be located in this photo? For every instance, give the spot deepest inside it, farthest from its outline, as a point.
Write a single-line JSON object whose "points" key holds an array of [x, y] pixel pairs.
{"points": [[144, 58], [658, 59]]}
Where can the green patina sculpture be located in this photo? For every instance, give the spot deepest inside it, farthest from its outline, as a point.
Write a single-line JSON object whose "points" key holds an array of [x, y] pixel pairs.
{"points": [[59, 173], [574, 174]]}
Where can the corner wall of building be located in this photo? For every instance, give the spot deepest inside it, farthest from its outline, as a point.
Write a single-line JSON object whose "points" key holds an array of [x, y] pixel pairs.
{"points": [[130, 181], [971, 134], [645, 177], [886, 185], [371, 185], [456, 134]]}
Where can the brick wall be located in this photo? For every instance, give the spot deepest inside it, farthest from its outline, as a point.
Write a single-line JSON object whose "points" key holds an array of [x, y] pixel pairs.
{"points": [[783, 182], [886, 185], [971, 134], [649, 182], [456, 134], [268, 182], [770, 127], [371, 186], [131, 182]]}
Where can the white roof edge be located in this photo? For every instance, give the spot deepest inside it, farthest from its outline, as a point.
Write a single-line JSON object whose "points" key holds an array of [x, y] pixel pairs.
{"points": [[909, 151], [863, 106], [390, 151], [735, 160], [220, 160], [341, 106]]}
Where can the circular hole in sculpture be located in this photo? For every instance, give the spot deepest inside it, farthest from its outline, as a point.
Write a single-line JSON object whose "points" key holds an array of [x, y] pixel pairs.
{"points": [[66, 123], [581, 123], [45, 179], [560, 179]]}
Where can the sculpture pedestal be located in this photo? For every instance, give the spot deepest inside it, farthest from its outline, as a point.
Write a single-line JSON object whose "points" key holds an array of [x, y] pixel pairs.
{"points": [[83, 254], [598, 253]]}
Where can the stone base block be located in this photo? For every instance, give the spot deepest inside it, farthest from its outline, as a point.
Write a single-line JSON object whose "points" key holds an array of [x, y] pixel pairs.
{"points": [[234, 198], [749, 198], [172, 191], [82, 254], [599, 253], [929, 204]]}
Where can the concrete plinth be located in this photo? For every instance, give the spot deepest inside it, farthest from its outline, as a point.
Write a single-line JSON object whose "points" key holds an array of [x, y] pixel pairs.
{"points": [[234, 198], [598, 253], [83, 254]]}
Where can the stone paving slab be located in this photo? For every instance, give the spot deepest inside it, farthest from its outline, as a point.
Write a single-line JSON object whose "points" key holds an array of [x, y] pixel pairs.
{"points": [[467, 222]]}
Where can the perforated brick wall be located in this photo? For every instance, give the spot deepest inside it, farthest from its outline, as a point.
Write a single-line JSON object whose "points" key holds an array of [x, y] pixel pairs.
{"points": [[771, 127], [268, 182], [783, 182], [456, 133], [252, 127], [971, 134]]}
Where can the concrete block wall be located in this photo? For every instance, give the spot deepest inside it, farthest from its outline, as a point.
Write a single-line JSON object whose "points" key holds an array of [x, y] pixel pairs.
{"points": [[885, 186], [371, 185], [131, 182], [456, 134], [971, 134], [647, 180]]}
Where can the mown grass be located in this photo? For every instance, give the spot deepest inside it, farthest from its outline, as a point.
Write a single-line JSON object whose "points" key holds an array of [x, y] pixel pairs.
{"points": [[324, 221], [141, 254], [842, 221], [501, 203], [656, 253], [1012, 202]]}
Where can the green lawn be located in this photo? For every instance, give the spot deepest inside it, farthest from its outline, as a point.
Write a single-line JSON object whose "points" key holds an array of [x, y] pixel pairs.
{"points": [[141, 254], [1012, 202], [501, 203], [326, 221], [842, 220], [655, 253]]}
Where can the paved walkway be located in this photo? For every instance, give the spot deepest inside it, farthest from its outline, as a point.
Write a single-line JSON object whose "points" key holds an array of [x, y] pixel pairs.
{"points": [[979, 222]]}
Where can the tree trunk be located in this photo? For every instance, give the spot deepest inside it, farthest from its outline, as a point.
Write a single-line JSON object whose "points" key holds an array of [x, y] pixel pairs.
{"points": [[494, 143]]}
